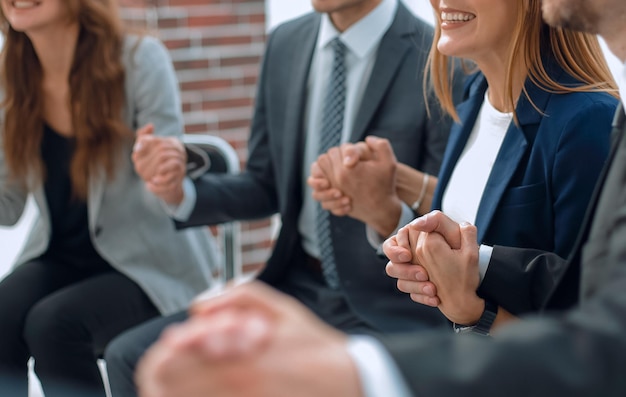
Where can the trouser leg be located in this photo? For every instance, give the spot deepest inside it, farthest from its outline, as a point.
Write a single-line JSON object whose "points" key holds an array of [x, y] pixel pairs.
{"points": [[124, 352]]}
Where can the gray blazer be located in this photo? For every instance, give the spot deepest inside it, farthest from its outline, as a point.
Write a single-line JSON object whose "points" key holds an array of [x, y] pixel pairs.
{"points": [[581, 353], [127, 223], [392, 108]]}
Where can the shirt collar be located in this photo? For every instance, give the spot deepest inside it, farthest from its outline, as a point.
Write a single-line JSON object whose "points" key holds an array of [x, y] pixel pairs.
{"points": [[363, 36]]}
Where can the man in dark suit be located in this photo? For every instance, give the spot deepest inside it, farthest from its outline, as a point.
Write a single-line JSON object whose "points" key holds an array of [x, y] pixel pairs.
{"points": [[579, 352], [386, 48]]}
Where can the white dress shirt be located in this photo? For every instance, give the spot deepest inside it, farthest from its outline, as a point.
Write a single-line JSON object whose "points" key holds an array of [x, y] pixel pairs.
{"points": [[362, 40], [464, 191]]}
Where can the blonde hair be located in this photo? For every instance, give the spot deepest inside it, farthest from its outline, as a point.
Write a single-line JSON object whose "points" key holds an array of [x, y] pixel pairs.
{"points": [[97, 97], [579, 54]]}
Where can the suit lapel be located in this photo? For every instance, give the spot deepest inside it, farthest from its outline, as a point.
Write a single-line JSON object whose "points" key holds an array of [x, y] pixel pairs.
{"points": [[393, 48], [459, 134], [514, 146], [294, 125]]}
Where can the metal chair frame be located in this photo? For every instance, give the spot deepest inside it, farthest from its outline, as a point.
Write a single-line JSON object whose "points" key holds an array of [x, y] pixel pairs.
{"points": [[228, 233]]}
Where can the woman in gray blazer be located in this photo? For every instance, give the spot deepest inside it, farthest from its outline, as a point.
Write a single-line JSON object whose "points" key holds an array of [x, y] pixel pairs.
{"points": [[103, 255]]}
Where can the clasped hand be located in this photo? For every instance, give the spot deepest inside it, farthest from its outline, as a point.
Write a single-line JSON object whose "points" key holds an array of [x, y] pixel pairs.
{"points": [[161, 162], [250, 341], [358, 180], [436, 261]]}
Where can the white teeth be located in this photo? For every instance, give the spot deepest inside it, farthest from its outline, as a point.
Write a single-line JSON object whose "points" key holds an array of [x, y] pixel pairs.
{"points": [[456, 16], [24, 4]]}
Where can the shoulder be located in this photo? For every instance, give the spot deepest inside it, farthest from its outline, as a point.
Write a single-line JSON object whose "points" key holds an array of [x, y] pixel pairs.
{"points": [[294, 26], [146, 60], [143, 50], [579, 122], [574, 105]]}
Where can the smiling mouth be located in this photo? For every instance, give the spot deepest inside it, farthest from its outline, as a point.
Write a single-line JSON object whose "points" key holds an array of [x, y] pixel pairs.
{"points": [[455, 17]]}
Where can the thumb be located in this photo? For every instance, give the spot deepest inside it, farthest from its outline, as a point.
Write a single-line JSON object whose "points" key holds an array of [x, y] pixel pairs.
{"points": [[469, 237], [147, 129], [381, 149], [140, 141], [316, 171], [436, 221], [353, 153]]}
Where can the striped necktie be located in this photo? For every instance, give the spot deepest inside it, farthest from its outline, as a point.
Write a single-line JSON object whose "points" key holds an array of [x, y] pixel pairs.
{"points": [[330, 136]]}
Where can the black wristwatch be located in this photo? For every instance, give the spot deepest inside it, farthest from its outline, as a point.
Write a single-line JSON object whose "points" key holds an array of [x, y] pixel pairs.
{"points": [[483, 326]]}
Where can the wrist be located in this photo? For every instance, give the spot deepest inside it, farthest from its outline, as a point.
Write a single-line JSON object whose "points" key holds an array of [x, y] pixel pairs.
{"points": [[415, 205], [387, 221], [483, 324], [475, 310], [175, 197]]}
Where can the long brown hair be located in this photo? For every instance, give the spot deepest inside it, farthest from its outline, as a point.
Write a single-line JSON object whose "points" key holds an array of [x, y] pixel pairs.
{"points": [[96, 84], [579, 54]]}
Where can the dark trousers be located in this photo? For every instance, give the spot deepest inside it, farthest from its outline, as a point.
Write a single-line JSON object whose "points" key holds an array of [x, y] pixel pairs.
{"points": [[123, 353], [64, 316]]}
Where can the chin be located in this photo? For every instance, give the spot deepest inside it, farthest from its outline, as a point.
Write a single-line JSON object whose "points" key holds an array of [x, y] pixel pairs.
{"points": [[570, 14]]}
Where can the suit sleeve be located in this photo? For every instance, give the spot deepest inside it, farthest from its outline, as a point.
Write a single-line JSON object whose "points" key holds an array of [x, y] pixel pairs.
{"points": [[578, 354], [251, 194], [154, 87], [531, 274], [152, 90]]}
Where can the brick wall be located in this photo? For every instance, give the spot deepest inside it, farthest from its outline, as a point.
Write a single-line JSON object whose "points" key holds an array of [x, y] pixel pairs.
{"points": [[216, 46]]}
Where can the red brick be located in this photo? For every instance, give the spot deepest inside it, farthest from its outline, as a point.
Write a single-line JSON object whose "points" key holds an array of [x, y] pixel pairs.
{"points": [[217, 55]]}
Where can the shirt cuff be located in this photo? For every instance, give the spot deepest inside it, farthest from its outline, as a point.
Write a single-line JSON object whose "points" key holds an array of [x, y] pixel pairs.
{"points": [[182, 211], [484, 257], [378, 373], [376, 240]]}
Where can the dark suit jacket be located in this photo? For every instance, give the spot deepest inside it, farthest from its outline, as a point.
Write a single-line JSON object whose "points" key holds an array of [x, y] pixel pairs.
{"points": [[580, 353], [392, 107], [539, 188], [541, 181]]}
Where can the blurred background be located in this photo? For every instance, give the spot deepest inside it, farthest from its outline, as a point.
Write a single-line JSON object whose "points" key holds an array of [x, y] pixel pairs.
{"points": [[216, 46]]}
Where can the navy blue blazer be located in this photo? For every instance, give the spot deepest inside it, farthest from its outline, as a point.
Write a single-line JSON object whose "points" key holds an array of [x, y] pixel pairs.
{"points": [[546, 169]]}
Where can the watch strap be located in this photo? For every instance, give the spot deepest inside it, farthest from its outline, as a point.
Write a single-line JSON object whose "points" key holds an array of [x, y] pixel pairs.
{"points": [[483, 326]]}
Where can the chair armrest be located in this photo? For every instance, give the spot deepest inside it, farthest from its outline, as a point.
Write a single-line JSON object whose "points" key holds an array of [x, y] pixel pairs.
{"points": [[198, 161]]}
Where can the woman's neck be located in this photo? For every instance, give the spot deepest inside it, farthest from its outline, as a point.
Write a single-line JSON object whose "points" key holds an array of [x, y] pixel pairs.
{"points": [[55, 51], [495, 72]]}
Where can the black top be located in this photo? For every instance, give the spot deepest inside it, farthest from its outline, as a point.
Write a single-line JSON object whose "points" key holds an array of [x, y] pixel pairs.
{"points": [[70, 241]]}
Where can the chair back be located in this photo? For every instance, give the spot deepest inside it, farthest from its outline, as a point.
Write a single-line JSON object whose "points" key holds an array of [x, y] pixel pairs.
{"points": [[217, 156]]}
